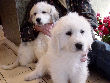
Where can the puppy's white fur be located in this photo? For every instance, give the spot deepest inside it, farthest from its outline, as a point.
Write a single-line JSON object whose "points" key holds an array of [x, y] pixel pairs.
{"points": [[46, 12], [62, 60], [30, 51]]}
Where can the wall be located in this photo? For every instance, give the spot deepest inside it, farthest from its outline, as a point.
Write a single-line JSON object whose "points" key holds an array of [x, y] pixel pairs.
{"points": [[101, 6]]}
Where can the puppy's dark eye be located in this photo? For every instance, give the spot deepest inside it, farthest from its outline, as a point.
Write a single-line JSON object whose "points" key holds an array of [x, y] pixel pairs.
{"points": [[81, 31], [69, 33], [35, 13], [43, 12]]}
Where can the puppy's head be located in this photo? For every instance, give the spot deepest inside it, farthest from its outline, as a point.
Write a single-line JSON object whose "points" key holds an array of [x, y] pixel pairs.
{"points": [[43, 13], [72, 33]]}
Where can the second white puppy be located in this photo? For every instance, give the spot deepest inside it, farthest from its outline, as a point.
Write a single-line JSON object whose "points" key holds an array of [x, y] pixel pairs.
{"points": [[71, 39], [41, 13]]}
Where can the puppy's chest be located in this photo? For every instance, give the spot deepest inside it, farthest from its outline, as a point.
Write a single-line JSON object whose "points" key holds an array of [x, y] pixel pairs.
{"points": [[67, 66], [66, 62], [41, 41]]}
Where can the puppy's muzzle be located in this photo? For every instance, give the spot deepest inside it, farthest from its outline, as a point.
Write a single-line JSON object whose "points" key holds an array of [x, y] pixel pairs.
{"points": [[79, 46], [38, 20]]}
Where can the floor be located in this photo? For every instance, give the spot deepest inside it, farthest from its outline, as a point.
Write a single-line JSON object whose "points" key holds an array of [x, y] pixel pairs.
{"points": [[17, 75]]}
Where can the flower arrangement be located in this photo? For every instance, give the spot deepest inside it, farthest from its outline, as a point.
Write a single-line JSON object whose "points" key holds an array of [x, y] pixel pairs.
{"points": [[103, 29]]}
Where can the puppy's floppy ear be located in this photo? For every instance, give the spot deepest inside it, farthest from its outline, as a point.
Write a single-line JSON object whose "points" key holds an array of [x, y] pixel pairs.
{"points": [[54, 13]]}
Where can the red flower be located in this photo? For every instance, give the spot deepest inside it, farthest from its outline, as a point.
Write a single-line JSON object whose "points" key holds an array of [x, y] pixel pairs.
{"points": [[98, 14], [97, 18], [101, 27], [105, 20], [105, 31], [108, 24], [108, 18]]}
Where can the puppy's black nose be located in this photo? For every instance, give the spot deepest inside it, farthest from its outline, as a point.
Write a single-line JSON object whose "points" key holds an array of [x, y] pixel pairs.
{"points": [[78, 46], [38, 20]]}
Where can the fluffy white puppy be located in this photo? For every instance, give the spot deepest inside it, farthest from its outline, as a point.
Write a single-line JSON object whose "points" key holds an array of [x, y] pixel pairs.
{"points": [[71, 39], [41, 13]]}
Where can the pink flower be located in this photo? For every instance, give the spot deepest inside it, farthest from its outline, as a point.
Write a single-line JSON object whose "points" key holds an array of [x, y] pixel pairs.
{"points": [[100, 21], [95, 30], [98, 14], [100, 33]]}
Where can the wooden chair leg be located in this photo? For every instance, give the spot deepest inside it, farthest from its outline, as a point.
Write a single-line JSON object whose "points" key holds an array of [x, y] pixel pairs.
{"points": [[11, 45], [4, 40]]}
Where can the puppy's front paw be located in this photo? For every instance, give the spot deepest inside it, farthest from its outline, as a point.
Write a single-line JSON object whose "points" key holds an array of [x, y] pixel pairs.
{"points": [[31, 76], [28, 78]]}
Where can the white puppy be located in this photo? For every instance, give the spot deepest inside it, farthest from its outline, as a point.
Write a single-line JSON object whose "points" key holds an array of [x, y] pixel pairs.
{"points": [[71, 39], [41, 13]]}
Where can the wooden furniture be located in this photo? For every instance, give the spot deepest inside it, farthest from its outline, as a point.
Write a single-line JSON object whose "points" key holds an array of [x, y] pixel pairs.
{"points": [[4, 40]]}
